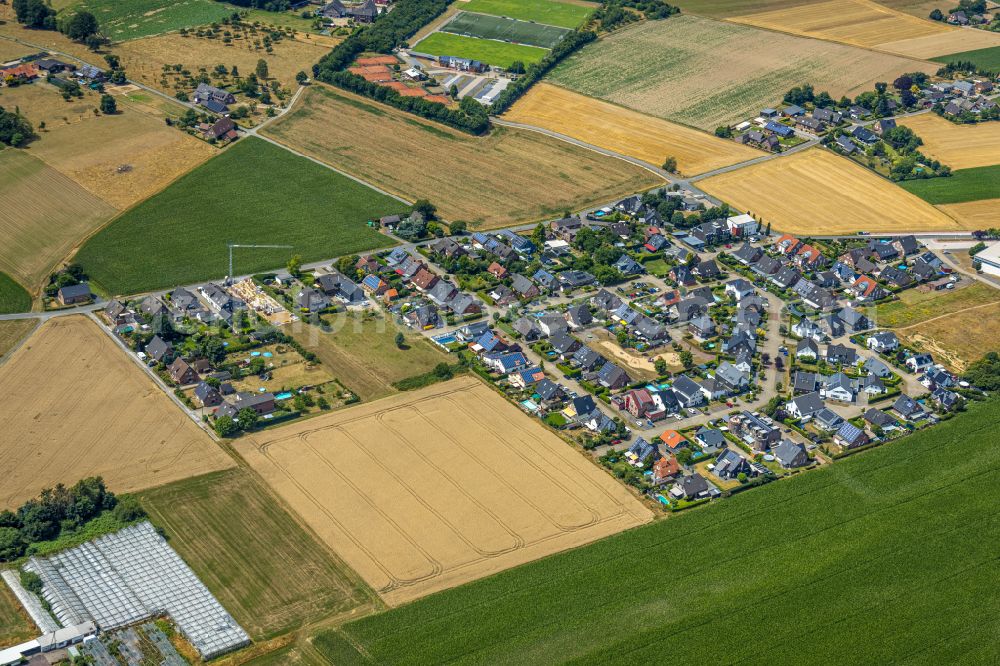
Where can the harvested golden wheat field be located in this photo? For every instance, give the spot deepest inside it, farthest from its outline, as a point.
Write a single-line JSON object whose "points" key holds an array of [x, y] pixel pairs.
{"points": [[507, 177], [428, 490], [982, 214], [871, 25], [817, 192], [958, 146], [707, 73], [122, 158], [625, 131], [43, 215], [75, 405]]}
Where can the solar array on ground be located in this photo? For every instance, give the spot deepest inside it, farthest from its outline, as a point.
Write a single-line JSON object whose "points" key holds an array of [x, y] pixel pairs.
{"points": [[133, 574], [505, 29]]}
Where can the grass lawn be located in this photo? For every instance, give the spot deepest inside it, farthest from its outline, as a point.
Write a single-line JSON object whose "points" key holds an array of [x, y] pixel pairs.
{"points": [[254, 192], [500, 54], [552, 12], [915, 306], [988, 58], [861, 556], [15, 627], [13, 297], [130, 19], [962, 185], [361, 352], [269, 572], [657, 267]]}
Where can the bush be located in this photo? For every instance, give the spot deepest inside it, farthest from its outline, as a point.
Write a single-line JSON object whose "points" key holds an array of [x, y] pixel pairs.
{"points": [[128, 509], [31, 581]]}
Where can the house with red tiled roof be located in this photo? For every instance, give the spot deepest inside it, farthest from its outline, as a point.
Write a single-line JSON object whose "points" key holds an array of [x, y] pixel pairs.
{"points": [[665, 469], [787, 244], [673, 440], [423, 279], [866, 289], [497, 271]]}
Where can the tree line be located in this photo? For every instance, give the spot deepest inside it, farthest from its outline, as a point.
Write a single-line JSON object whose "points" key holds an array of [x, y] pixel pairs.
{"points": [[59, 511], [81, 26]]}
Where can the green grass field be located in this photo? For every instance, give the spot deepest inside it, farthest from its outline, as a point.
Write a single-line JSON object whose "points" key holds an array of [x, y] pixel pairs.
{"points": [[268, 572], [499, 54], [122, 20], [550, 12], [962, 185], [727, 8], [252, 193], [988, 58], [13, 297], [15, 627], [497, 27], [852, 563]]}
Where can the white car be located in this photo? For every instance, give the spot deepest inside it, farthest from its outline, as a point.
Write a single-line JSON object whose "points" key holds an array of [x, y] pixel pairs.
{"points": [[692, 410]]}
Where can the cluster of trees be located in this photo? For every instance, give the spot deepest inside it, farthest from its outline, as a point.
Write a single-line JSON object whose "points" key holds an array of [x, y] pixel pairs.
{"points": [[15, 130], [227, 426], [876, 100], [598, 253], [968, 6], [985, 373], [58, 511], [72, 274], [81, 26], [613, 13], [267, 5], [967, 67]]}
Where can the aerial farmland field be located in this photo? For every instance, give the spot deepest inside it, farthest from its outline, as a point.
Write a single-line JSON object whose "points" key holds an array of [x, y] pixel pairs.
{"points": [[510, 176], [964, 185], [485, 26], [625, 131], [13, 297], [550, 12], [980, 214], [121, 158], [685, 69], [958, 146], [265, 568], [43, 215], [815, 191], [144, 59], [361, 351], [867, 24], [988, 58], [128, 19], [863, 554], [81, 407], [12, 332], [179, 236], [427, 490], [499, 54]]}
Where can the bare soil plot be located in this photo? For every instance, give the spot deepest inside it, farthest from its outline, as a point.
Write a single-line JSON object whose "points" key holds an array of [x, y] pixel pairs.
{"points": [[974, 215], [77, 406], [871, 25], [916, 307], [625, 131], [43, 215], [958, 146], [361, 352], [707, 73], [122, 158], [265, 568], [815, 191], [507, 177], [428, 490], [12, 332], [144, 59]]}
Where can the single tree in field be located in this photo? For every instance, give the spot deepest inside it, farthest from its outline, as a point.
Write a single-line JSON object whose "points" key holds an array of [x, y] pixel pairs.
{"points": [[108, 105], [660, 365], [670, 164], [80, 26], [261, 69], [301, 78], [687, 360], [294, 265], [400, 340]]}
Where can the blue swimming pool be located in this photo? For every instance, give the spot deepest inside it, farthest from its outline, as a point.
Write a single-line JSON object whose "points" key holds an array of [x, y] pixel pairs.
{"points": [[283, 396]]}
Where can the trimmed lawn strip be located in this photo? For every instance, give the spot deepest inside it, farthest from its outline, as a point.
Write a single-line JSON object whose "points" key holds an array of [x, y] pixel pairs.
{"points": [[252, 193], [268, 571], [500, 54], [963, 185], [869, 547]]}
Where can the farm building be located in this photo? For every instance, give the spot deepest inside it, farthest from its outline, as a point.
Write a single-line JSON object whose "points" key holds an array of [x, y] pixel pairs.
{"points": [[74, 293]]}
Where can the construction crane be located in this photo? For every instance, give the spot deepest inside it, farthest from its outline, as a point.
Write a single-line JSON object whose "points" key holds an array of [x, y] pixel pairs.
{"points": [[229, 277]]}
